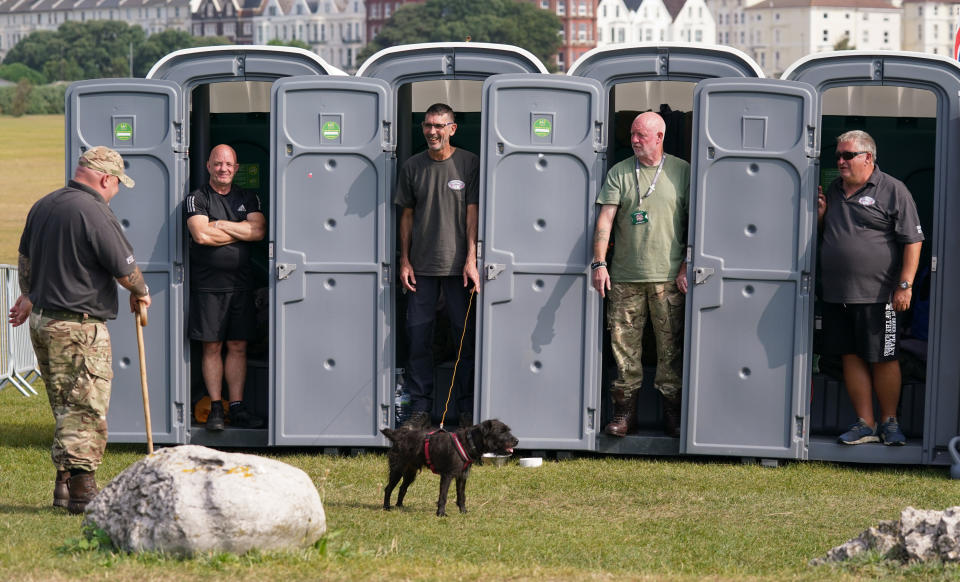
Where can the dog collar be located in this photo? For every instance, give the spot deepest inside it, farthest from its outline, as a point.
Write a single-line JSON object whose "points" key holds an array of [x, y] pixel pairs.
{"points": [[456, 444]]}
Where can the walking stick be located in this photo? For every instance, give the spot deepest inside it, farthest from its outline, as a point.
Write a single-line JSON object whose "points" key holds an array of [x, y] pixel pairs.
{"points": [[141, 317]]}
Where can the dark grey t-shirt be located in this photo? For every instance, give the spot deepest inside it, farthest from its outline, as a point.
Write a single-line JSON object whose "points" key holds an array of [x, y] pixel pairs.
{"points": [[77, 250], [863, 237], [439, 193]]}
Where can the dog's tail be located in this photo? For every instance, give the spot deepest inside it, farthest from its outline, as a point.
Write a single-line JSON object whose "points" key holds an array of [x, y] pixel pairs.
{"points": [[390, 434]]}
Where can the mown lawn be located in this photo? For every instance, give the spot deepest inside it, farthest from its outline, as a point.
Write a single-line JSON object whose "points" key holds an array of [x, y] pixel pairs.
{"points": [[590, 518]]}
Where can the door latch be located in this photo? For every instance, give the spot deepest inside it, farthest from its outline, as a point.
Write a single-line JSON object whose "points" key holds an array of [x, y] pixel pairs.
{"points": [[494, 269], [284, 270], [701, 274]]}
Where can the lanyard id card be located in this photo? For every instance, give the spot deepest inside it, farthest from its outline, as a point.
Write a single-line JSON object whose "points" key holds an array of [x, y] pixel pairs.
{"points": [[641, 216]]}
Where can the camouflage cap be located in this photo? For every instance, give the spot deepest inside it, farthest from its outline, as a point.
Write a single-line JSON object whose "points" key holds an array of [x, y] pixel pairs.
{"points": [[104, 159]]}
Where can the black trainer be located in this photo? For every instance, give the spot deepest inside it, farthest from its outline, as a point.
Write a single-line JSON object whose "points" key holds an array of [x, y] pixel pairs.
{"points": [[240, 417], [215, 418]]}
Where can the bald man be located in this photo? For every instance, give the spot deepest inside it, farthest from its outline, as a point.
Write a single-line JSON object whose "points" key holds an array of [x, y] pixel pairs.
{"points": [[644, 204], [223, 220]]}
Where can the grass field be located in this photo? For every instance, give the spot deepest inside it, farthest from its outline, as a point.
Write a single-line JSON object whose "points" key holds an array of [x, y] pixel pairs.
{"points": [[31, 165]]}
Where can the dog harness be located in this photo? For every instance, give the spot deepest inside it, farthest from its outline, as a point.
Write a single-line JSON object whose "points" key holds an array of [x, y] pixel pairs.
{"points": [[456, 443]]}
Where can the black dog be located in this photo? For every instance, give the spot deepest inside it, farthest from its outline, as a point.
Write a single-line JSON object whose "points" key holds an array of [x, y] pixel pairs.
{"points": [[449, 454]]}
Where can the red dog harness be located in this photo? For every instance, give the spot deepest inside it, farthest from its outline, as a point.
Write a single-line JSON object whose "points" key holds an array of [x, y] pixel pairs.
{"points": [[456, 443]]}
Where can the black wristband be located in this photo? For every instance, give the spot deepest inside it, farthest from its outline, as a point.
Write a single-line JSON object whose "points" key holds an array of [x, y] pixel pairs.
{"points": [[597, 265]]}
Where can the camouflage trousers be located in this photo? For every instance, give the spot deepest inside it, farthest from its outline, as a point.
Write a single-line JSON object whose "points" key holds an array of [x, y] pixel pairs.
{"points": [[75, 363], [629, 307]]}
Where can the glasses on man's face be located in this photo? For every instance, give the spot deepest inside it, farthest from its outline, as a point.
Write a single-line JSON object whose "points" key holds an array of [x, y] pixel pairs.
{"points": [[848, 155], [436, 126]]}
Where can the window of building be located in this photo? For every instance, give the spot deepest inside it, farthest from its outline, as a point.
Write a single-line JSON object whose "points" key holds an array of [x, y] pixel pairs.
{"points": [[272, 11], [826, 35], [936, 32], [599, 35], [763, 59], [229, 29], [582, 8], [649, 34], [886, 37], [582, 32], [561, 7], [621, 34], [545, 5], [698, 35], [866, 35], [560, 59], [846, 15], [299, 9]]}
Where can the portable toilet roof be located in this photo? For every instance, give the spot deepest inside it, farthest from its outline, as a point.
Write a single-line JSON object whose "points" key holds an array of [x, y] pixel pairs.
{"points": [[670, 61], [244, 62]]}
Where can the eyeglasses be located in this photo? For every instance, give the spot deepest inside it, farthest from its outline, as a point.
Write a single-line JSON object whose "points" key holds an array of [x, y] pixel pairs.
{"points": [[436, 126], [848, 155]]}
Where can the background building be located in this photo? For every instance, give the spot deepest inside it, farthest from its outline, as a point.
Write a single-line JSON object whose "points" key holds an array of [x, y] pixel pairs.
{"points": [[930, 27]]}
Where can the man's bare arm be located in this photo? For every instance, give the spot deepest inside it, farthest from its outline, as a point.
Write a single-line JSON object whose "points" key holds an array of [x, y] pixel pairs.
{"points": [[203, 232], [254, 228], [134, 283]]}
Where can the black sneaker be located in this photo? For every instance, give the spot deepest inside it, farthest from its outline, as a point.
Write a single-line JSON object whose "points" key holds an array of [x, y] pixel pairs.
{"points": [[215, 418], [417, 420], [240, 417]]}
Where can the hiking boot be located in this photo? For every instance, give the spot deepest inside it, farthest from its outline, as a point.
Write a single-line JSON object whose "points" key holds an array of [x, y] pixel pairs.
{"points": [[466, 419], [859, 433], [671, 416], [61, 490], [240, 417], [417, 420], [215, 418], [83, 488], [890, 433], [624, 414]]}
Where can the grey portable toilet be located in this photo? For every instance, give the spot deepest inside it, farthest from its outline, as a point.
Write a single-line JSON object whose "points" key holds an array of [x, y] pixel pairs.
{"points": [[635, 78], [161, 126], [908, 103], [419, 75]]}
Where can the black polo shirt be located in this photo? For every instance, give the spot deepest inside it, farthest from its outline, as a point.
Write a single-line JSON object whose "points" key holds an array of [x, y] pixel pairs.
{"points": [[863, 236], [221, 268], [77, 250]]}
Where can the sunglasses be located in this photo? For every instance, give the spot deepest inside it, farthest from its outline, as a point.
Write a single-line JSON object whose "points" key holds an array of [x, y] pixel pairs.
{"points": [[848, 155]]}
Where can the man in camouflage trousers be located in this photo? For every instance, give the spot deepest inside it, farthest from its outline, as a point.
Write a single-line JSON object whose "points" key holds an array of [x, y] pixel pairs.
{"points": [[72, 255], [644, 202]]}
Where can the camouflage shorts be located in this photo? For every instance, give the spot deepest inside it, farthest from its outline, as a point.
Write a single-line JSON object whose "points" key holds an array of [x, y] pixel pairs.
{"points": [[630, 306], [75, 363]]}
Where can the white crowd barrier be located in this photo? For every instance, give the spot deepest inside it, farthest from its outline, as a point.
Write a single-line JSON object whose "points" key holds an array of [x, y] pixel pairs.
{"points": [[18, 363]]}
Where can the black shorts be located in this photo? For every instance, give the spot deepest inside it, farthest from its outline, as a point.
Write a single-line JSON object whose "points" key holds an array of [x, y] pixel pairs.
{"points": [[869, 330], [215, 317]]}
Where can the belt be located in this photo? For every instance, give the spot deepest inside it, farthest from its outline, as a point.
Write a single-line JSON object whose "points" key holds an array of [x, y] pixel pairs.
{"points": [[63, 315]]}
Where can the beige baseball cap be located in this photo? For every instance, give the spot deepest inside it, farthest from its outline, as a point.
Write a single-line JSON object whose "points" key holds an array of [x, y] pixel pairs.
{"points": [[106, 160]]}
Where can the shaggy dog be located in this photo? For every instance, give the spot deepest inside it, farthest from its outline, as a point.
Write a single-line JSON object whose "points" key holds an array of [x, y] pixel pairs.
{"points": [[411, 448]]}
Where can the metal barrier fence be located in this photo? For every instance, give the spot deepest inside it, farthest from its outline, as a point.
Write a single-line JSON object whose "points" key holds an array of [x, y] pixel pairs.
{"points": [[18, 363]]}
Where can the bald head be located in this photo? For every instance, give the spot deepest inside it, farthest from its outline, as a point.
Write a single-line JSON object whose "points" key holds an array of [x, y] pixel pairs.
{"points": [[646, 138], [105, 184], [222, 165]]}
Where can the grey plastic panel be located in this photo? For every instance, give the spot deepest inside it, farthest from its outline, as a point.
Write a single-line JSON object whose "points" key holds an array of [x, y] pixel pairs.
{"points": [[192, 67], [666, 62], [753, 195], [539, 317], [151, 221], [422, 62], [942, 77], [332, 380]]}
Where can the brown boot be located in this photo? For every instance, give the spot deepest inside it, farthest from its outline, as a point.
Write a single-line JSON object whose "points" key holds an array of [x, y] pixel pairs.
{"points": [[624, 414], [83, 488], [671, 416], [61, 491]]}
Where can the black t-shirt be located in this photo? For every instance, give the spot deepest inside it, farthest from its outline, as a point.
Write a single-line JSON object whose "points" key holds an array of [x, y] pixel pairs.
{"points": [[224, 268], [77, 250]]}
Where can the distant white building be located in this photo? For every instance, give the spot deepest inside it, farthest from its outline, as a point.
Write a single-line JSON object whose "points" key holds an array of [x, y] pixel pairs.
{"points": [[633, 21], [19, 18], [779, 32], [930, 27], [334, 29]]}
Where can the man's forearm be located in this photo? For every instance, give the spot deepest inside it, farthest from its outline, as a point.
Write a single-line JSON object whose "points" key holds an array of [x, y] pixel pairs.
{"points": [[240, 231], [23, 269], [134, 283]]}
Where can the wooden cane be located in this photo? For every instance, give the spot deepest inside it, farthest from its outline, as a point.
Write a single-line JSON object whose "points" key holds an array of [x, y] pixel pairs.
{"points": [[141, 317]]}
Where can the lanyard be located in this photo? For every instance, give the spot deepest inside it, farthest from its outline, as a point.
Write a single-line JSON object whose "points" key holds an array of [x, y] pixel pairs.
{"points": [[653, 184]]}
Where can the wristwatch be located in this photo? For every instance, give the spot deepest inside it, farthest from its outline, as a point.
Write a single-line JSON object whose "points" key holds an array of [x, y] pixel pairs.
{"points": [[906, 284]]}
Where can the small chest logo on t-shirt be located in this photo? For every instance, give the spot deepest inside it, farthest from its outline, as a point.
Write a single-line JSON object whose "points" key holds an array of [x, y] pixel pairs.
{"points": [[867, 201], [242, 208], [456, 185]]}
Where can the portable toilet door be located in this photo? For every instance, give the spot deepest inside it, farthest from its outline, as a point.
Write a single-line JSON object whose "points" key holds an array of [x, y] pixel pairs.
{"points": [[908, 102], [333, 380], [538, 318], [143, 121], [752, 218]]}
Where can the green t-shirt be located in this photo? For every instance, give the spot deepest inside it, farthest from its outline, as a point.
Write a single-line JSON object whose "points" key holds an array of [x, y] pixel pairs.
{"points": [[652, 251]]}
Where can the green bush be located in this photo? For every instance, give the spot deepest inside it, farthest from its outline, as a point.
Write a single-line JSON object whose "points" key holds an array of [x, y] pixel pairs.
{"points": [[16, 71], [43, 99]]}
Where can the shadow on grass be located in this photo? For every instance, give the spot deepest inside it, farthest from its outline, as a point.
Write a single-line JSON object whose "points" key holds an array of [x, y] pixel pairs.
{"points": [[356, 505], [26, 435], [32, 510]]}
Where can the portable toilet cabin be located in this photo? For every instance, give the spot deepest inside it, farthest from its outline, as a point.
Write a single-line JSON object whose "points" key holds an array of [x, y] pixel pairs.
{"points": [[908, 103], [544, 364], [338, 332], [164, 126]]}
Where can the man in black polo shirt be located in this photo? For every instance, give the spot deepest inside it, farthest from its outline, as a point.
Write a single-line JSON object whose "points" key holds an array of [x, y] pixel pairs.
{"points": [[72, 255], [223, 220], [868, 258]]}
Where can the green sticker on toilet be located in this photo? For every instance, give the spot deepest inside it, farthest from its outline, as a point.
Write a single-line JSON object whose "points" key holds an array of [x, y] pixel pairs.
{"points": [[330, 130], [542, 127], [123, 131]]}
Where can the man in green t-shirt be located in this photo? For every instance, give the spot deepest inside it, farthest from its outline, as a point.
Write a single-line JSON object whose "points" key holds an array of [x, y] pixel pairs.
{"points": [[644, 202]]}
